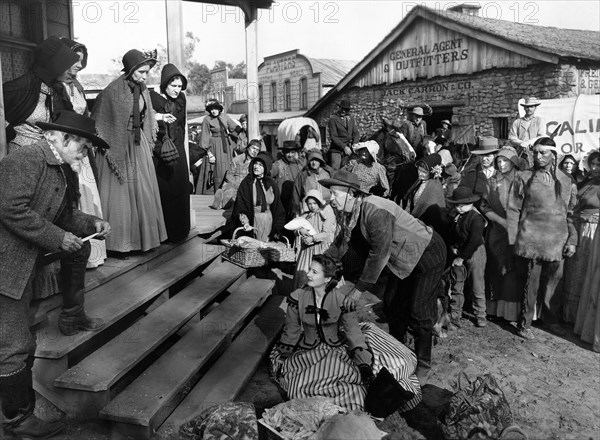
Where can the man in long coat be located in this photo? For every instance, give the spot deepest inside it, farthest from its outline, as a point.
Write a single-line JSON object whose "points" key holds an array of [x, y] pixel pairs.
{"points": [[39, 216], [343, 133]]}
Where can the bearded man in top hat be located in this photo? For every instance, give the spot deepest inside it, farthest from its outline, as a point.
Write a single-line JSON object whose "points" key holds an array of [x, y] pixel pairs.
{"points": [[39, 215], [540, 228], [526, 129], [343, 133], [385, 235]]}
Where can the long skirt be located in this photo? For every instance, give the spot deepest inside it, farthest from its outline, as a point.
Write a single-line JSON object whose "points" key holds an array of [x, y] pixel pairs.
{"points": [[174, 187], [329, 372], [503, 295], [587, 321], [575, 269], [132, 208], [218, 169], [90, 204], [263, 224]]}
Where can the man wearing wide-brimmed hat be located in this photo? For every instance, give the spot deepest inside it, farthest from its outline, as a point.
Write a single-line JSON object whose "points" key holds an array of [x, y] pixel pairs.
{"points": [[39, 215], [540, 226], [524, 130], [415, 128], [477, 175], [469, 256], [343, 133], [385, 235]]}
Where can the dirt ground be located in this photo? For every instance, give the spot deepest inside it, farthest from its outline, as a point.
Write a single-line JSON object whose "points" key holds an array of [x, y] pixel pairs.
{"points": [[552, 384]]}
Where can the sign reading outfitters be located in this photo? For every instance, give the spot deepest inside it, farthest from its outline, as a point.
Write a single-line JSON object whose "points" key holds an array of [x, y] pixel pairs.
{"points": [[441, 52]]}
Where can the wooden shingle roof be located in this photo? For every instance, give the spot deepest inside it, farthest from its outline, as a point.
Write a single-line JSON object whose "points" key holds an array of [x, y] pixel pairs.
{"points": [[571, 43], [332, 71], [544, 43]]}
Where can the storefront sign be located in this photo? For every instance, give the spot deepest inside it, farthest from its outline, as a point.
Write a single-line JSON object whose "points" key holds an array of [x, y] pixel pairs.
{"points": [[589, 81], [280, 64], [457, 87], [440, 52]]}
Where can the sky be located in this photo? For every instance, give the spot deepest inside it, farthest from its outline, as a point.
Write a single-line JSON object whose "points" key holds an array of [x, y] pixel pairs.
{"points": [[345, 30]]}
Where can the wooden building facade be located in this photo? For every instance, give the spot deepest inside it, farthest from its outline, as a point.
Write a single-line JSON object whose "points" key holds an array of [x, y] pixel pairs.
{"points": [[470, 70], [290, 83]]}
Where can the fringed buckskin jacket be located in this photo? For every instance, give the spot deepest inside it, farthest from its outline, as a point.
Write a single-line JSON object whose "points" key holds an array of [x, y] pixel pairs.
{"points": [[303, 314], [539, 223]]}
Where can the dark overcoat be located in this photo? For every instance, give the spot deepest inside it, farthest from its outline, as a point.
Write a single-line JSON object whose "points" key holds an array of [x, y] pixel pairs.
{"points": [[33, 218]]}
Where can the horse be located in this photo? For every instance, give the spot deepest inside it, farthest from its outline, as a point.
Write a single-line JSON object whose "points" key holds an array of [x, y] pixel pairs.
{"points": [[394, 150]]}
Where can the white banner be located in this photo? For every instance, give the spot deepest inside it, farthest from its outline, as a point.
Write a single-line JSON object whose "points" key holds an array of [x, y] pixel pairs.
{"points": [[579, 120]]}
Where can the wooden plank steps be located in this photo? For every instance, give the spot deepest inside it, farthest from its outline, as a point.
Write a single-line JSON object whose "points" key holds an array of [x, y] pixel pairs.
{"points": [[103, 368], [228, 377], [120, 296], [112, 268], [143, 406]]}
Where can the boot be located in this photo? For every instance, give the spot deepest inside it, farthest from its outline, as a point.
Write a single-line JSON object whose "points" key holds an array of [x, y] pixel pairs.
{"points": [[18, 403], [423, 344], [73, 318]]}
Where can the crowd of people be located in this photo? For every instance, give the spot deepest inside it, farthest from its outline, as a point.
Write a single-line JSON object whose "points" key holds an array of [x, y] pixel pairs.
{"points": [[75, 185], [512, 232]]}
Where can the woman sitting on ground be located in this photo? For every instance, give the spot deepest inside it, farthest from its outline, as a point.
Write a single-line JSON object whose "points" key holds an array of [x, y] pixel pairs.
{"points": [[313, 358]]}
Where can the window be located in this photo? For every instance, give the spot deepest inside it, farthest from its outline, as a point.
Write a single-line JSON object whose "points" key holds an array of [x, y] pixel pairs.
{"points": [[500, 128], [287, 92], [303, 93], [260, 98], [273, 97]]}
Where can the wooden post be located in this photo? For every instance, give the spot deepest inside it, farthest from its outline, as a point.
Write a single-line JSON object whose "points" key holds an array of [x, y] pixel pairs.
{"points": [[252, 72], [175, 55], [175, 33], [3, 145]]}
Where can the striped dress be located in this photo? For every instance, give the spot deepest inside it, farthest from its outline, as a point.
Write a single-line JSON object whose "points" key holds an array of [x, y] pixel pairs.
{"points": [[313, 358]]}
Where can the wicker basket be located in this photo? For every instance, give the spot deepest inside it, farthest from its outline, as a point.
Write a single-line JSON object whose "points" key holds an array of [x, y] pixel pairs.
{"points": [[245, 257], [282, 255]]}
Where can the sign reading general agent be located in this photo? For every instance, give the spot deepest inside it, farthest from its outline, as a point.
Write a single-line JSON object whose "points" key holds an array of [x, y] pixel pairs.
{"points": [[579, 120], [439, 52]]}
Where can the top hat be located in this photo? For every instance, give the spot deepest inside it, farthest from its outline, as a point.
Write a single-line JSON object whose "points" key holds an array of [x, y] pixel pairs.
{"points": [[213, 103], [344, 104], [74, 123], [315, 154], [134, 58], [487, 145], [343, 178], [417, 111], [446, 121], [169, 71], [291, 145], [462, 195], [531, 101]]}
